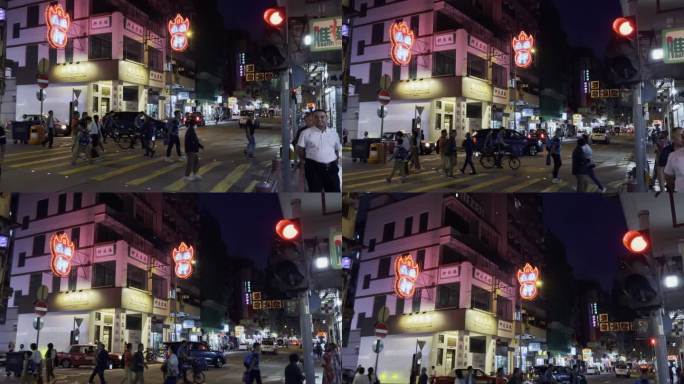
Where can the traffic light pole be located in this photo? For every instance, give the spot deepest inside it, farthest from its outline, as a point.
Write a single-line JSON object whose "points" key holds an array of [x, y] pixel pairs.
{"points": [[285, 167], [305, 323], [640, 134]]}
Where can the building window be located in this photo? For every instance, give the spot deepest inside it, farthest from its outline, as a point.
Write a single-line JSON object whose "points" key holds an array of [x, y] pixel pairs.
{"points": [[76, 236], [366, 281], [420, 259], [104, 234], [22, 259], [474, 110], [61, 203], [423, 222], [360, 47], [375, 73], [38, 245], [52, 56], [388, 232], [480, 299], [16, 29], [413, 69], [499, 76], [56, 283], [378, 33], [159, 287], [408, 226], [104, 274], [384, 267], [444, 63], [415, 303], [379, 302], [102, 6], [73, 278], [42, 208], [136, 278], [32, 56], [32, 16], [396, 72], [35, 281], [447, 295], [415, 26], [371, 245], [155, 61], [504, 308], [25, 222], [400, 307], [477, 66], [100, 46], [70, 8], [78, 198], [440, 353], [69, 51], [450, 256], [133, 50]]}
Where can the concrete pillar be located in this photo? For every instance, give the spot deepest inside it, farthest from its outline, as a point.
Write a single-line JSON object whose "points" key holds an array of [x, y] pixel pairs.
{"points": [[119, 330]]}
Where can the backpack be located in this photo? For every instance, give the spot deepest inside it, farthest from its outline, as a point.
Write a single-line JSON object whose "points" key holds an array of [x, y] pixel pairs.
{"points": [[248, 360], [402, 153]]}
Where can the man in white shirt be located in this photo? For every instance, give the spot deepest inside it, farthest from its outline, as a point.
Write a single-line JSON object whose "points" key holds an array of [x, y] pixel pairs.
{"points": [[319, 148], [674, 169]]}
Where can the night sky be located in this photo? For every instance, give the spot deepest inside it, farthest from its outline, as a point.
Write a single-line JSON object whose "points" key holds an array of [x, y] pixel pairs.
{"points": [[588, 22], [246, 15], [591, 226], [247, 222]]}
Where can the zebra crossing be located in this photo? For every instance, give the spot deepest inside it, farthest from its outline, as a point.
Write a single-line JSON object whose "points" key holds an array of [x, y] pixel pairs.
{"points": [[128, 170]]}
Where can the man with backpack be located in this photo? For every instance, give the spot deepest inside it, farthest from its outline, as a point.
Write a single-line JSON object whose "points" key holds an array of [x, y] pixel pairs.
{"points": [[139, 365], [251, 363]]}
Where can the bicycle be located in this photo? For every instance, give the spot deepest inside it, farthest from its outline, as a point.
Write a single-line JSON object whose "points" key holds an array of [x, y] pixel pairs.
{"points": [[488, 159]]}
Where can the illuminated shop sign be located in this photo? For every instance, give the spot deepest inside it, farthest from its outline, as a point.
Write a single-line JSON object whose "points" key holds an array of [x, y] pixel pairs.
{"points": [[528, 278], [406, 276], [178, 29], [62, 250], [523, 45], [401, 41], [184, 257], [58, 22]]}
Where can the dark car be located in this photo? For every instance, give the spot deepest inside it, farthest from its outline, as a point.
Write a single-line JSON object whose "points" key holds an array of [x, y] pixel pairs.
{"points": [[562, 375], [126, 121], [200, 350], [535, 141], [84, 354], [516, 142], [196, 117]]}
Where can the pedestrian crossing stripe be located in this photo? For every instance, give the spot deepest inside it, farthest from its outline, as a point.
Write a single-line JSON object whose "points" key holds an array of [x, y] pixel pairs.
{"points": [[157, 173], [522, 185], [67, 164], [95, 165], [449, 183], [227, 182], [487, 183], [251, 187], [181, 183], [34, 154], [34, 162], [122, 170]]}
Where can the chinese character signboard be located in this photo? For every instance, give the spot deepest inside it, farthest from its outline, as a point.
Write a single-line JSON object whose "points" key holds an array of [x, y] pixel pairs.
{"points": [[528, 278], [58, 22], [406, 276], [673, 46], [326, 34], [184, 257], [401, 41]]}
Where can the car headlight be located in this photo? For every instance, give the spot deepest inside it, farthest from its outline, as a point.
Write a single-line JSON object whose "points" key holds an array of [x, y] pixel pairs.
{"points": [[427, 145]]}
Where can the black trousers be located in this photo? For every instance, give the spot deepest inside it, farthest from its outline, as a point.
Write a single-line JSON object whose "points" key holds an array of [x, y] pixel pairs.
{"points": [[322, 177], [556, 164], [99, 372], [50, 138], [173, 140], [468, 161]]}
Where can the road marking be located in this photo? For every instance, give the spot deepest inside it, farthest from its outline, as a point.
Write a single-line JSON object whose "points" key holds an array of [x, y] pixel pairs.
{"points": [[228, 181], [125, 169], [486, 183], [68, 163], [555, 187], [181, 183], [36, 154], [144, 179], [522, 185], [95, 165], [451, 183], [251, 186], [380, 179], [20, 165]]}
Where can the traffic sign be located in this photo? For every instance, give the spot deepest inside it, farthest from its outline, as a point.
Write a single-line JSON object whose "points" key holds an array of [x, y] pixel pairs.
{"points": [[38, 323], [382, 112], [384, 97], [42, 81], [385, 81], [40, 308], [381, 330], [42, 292], [378, 346], [421, 344], [383, 314]]}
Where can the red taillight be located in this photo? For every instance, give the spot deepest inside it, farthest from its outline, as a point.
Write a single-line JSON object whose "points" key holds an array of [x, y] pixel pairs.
{"points": [[542, 135], [197, 118], [529, 136]]}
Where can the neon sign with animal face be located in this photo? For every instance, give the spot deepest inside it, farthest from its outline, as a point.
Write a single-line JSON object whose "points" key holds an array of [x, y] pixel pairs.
{"points": [[523, 45], [401, 41], [528, 278], [178, 29], [183, 256], [58, 22], [406, 276], [62, 250]]}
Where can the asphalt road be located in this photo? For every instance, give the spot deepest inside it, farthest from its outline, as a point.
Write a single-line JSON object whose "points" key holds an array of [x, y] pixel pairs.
{"points": [[272, 370], [223, 165], [609, 378], [613, 161]]}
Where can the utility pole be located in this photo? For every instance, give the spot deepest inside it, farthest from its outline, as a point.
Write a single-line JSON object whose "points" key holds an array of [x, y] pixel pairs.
{"points": [[639, 123], [285, 81]]}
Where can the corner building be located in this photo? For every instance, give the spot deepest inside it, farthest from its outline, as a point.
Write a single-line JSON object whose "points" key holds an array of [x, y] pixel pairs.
{"points": [[122, 286], [465, 307]]}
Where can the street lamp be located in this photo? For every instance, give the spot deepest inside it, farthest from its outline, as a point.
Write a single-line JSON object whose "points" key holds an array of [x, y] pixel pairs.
{"points": [[657, 54], [308, 40], [322, 262], [671, 281]]}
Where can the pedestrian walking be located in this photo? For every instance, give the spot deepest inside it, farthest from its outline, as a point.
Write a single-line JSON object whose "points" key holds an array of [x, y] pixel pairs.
{"points": [[319, 149], [579, 166], [101, 363], [469, 378], [450, 154], [360, 377], [345, 136], [588, 153], [459, 379], [251, 141], [423, 378], [50, 357], [332, 365], [500, 378], [674, 167], [192, 147], [173, 138], [372, 377], [139, 365], [415, 149], [127, 360], [251, 363], [400, 157], [293, 374], [468, 148], [147, 136], [170, 368], [73, 124], [37, 361], [433, 375], [548, 378], [83, 142], [318, 350], [663, 149], [183, 356], [95, 131], [440, 148], [50, 126], [406, 143], [553, 148]]}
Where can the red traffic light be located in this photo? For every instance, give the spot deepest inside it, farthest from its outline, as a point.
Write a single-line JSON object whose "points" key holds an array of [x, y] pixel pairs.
{"points": [[624, 26], [274, 17], [653, 341], [288, 229], [635, 241]]}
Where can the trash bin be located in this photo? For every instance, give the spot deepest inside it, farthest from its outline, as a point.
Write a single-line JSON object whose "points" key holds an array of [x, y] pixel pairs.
{"points": [[37, 134], [361, 148], [15, 362], [377, 153], [20, 132]]}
